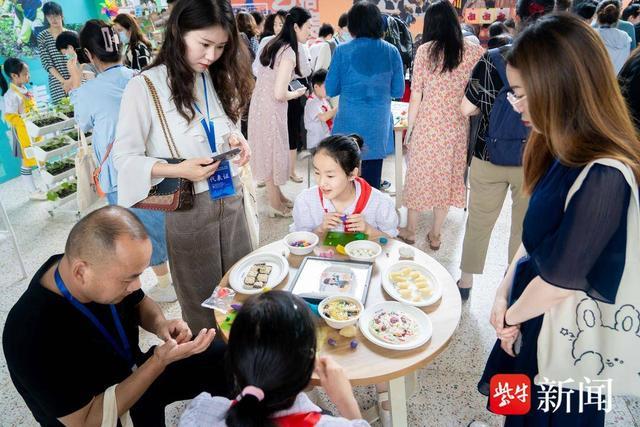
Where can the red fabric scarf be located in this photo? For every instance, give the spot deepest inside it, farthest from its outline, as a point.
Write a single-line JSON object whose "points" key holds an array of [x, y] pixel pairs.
{"points": [[365, 194]]}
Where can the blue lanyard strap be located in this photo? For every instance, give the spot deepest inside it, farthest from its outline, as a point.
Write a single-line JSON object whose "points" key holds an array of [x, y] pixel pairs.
{"points": [[206, 122], [125, 350]]}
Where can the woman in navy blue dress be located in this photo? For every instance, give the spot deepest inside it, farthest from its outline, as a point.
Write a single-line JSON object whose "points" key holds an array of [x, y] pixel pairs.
{"points": [[565, 89]]}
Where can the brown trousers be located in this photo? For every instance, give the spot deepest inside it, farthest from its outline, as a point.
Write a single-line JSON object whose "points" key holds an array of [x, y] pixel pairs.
{"points": [[489, 185], [203, 243]]}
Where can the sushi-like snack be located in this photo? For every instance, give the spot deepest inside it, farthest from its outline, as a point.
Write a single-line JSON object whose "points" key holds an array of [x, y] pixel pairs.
{"points": [[263, 277], [258, 285], [265, 270], [249, 281]]}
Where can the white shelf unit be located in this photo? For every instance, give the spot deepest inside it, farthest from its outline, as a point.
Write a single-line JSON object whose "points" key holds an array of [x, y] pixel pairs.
{"points": [[43, 135]]}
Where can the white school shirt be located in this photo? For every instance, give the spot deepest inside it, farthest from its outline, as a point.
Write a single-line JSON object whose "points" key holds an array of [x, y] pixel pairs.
{"points": [[380, 211], [210, 411], [13, 103], [140, 142], [317, 129]]}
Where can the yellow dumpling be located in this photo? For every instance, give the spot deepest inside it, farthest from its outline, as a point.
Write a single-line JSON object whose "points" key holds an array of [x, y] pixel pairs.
{"points": [[420, 277], [415, 275], [396, 277], [421, 284], [405, 293], [402, 285], [406, 272], [426, 292]]}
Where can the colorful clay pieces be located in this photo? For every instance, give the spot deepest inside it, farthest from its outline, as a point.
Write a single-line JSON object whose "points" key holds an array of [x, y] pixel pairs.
{"points": [[301, 244]]}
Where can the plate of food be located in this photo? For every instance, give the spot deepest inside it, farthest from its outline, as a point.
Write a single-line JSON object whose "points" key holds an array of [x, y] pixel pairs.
{"points": [[396, 326], [412, 284], [258, 272]]}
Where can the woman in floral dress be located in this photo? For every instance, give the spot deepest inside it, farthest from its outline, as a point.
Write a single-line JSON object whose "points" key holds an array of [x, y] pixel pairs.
{"points": [[437, 154]]}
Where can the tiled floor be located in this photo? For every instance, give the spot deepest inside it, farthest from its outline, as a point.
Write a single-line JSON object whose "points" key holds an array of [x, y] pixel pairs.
{"points": [[445, 394]]}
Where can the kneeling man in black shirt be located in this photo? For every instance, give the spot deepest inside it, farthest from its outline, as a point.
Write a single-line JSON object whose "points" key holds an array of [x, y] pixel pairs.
{"points": [[74, 333]]}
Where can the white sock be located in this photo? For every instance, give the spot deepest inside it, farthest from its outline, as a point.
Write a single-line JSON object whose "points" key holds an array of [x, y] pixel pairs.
{"points": [[27, 179], [164, 281]]}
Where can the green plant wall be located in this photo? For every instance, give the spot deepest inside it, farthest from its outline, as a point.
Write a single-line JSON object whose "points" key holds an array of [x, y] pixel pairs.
{"points": [[76, 13]]}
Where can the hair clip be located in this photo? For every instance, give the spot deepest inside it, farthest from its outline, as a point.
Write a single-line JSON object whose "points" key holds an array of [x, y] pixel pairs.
{"points": [[109, 42]]}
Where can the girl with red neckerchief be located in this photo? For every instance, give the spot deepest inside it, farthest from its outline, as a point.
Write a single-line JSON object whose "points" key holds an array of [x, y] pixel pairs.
{"points": [[271, 357], [342, 201]]}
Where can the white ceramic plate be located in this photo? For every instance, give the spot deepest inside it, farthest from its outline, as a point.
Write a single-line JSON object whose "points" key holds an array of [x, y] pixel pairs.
{"points": [[279, 265], [425, 328], [391, 289]]}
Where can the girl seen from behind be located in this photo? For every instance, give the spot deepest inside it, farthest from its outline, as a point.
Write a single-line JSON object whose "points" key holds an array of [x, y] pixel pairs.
{"points": [[271, 357]]}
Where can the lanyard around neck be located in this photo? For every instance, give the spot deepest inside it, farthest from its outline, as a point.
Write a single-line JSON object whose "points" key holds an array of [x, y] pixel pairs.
{"points": [[206, 122], [125, 350]]}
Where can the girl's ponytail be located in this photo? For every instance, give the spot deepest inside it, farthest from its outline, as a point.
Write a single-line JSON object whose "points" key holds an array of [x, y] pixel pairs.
{"points": [[270, 356], [248, 411]]}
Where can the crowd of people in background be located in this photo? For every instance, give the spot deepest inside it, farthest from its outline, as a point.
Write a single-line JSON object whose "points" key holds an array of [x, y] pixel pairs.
{"points": [[553, 101]]}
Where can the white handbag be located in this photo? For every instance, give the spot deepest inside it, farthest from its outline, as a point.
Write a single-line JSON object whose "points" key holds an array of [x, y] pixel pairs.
{"points": [[250, 205], [87, 193], [110, 410], [590, 341]]}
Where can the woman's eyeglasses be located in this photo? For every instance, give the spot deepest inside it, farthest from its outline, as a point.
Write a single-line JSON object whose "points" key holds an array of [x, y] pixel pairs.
{"points": [[516, 102]]}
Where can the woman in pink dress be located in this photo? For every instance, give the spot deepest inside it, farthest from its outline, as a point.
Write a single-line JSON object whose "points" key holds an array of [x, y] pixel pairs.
{"points": [[437, 153], [268, 135]]}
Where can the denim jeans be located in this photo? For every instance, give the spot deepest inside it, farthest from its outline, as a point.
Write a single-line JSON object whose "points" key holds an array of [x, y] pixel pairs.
{"points": [[154, 223]]}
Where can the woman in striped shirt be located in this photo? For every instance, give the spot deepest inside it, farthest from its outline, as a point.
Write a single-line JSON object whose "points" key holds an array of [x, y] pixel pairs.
{"points": [[52, 59]]}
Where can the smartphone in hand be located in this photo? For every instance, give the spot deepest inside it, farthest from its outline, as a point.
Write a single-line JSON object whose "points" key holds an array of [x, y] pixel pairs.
{"points": [[226, 155], [295, 85]]}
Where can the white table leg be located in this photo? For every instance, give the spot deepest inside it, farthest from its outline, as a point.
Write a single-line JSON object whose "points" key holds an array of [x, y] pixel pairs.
{"points": [[398, 400], [398, 155]]}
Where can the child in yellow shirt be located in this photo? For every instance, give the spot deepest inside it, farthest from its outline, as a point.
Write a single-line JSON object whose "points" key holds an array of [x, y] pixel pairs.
{"points": [[17, 101]]}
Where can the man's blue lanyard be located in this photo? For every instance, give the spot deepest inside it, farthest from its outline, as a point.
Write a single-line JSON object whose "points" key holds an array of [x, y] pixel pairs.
{"points": [[125, 350], [206, 122]]}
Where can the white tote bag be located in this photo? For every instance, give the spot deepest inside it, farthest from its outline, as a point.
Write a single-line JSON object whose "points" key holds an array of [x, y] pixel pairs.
{"points": [[87, 193], [110, 410], [587, 340], [250, 205]]}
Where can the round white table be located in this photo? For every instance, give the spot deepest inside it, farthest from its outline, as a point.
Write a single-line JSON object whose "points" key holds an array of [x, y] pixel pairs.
{"points": [[369, 363]]}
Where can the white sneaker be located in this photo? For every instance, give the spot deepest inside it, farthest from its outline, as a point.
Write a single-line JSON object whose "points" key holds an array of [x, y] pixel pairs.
{"points": [[162, 294], [38, 196]]}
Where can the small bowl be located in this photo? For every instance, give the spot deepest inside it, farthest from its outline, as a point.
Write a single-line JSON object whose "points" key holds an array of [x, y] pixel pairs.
{"points": [[296, 236], [375, 249], [339, 324]]}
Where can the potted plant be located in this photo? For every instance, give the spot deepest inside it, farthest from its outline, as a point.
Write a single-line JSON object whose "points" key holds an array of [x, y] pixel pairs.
{"points": [[42, 123], [65, 107], [59, 167], [65, 190], [73, 134]]}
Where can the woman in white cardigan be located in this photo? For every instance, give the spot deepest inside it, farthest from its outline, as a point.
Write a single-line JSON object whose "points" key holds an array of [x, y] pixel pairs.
{"points": [[202, 70]]}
